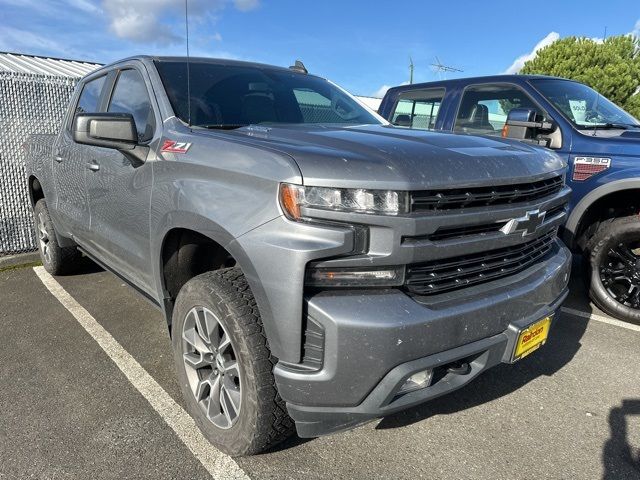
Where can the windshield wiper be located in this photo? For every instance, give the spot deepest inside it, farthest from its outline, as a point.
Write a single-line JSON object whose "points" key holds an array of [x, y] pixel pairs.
{"points": [[609, 126], [222, 126]]}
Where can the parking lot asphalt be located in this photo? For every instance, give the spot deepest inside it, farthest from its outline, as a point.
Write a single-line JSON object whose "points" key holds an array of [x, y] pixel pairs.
{"points": [[570, 410]]}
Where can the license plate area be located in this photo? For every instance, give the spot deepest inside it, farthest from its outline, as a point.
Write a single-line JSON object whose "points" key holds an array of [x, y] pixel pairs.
{"points": [[531, 338]]}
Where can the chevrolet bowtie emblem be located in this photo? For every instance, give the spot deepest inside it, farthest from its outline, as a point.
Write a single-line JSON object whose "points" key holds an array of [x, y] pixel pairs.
{"points": [[527, 224]]}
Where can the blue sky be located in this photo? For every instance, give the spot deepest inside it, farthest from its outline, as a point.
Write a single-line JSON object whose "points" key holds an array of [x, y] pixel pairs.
{"points": [[361, 45]]}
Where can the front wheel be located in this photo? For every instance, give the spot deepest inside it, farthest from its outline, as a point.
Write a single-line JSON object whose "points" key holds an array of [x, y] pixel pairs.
{"points": [[613, 266], [224, 364]]}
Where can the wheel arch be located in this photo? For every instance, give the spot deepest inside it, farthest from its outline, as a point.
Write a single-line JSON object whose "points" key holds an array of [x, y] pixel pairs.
{"points": [[224, 250], [589, 209], [36, 191]]}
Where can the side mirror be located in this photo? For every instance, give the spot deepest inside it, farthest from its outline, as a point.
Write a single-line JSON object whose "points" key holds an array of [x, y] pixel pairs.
{"points": [[108, 130], [403, 121], [522, 124]]}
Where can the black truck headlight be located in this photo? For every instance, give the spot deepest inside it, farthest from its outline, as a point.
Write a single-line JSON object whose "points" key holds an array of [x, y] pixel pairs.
{"points": [[354, 277], [357, 200]]}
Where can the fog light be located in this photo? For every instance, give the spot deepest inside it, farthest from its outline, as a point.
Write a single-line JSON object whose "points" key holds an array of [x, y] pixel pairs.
{"points": [[417, 381]]}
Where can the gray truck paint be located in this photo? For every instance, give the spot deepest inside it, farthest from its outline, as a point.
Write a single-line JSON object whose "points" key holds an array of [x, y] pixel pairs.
{"points": [[226, 187]]}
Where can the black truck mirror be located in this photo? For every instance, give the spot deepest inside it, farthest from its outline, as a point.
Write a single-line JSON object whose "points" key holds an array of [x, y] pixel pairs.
{"points": [[109, 130], [522, 124]]}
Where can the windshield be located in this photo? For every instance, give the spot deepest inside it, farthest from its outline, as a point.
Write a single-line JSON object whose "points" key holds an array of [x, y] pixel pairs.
{"points": [[582, 105], [230, 96]]}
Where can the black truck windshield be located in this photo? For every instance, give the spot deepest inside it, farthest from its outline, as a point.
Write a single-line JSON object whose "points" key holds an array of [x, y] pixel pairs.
{"points": [[583, 106], [232, 96]]}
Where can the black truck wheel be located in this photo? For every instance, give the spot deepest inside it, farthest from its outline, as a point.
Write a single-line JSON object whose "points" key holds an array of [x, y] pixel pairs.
{"points": [[613, 268], [224, 364], [56, 260]]}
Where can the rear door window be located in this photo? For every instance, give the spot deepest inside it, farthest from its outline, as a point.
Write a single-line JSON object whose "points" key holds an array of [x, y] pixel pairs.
{"points": [[484, 108], [418, 109]]}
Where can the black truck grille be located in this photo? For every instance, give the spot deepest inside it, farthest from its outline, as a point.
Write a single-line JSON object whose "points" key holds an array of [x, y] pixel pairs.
{"points": [[430, 200], [450, 274]]}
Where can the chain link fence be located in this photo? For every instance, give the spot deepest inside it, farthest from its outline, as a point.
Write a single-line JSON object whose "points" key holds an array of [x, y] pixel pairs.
{"points": [[29, 104]]}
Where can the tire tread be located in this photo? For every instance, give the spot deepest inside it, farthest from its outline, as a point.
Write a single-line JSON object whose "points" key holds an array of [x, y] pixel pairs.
{"points": [[593, 250], [272, 424]]}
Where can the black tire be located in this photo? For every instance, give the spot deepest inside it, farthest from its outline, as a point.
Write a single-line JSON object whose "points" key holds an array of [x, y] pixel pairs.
{"points": [[262, 420], [56, 260], [602, 258]]}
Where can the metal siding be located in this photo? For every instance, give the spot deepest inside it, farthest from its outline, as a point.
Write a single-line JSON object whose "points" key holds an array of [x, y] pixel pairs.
{"points": [[16, 63]]}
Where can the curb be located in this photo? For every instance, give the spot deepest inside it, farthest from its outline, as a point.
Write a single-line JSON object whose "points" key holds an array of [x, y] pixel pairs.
{"points": [[12, 261]]}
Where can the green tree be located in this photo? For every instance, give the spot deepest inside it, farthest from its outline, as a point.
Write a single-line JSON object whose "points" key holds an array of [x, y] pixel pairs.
{"points": [[611, 67]]}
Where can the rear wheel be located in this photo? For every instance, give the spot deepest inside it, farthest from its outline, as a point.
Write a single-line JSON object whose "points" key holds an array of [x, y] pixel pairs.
{"points": [[56, 260], [224, 364], [613, 261]]}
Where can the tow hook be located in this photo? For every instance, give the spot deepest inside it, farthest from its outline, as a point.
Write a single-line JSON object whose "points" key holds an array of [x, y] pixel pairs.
{"points": [[459, 368]]}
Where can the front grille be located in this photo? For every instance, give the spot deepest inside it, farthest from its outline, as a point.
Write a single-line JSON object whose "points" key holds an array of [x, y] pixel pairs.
{"points": [[461, 232], [434, 200], [449, 233], [450, 274]]}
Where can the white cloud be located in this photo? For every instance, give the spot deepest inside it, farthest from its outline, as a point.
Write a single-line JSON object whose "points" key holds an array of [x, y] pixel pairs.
{"points": [[519, 62], [636, 30], [217, 37], [152, 21], [246, 5], [139, 20], [85, 5], [381, 91], [15, 39]]}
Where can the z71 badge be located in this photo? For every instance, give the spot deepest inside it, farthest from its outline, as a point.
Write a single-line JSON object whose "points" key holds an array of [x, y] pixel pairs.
{"points": [[172, 146]]}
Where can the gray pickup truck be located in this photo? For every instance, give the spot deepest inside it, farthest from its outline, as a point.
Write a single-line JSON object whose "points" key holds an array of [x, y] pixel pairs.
{"points": [[317, 267]]}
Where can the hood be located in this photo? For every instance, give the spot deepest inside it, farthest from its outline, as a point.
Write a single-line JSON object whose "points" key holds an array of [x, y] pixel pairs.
{"points": [[623, 143], [387, 157]]}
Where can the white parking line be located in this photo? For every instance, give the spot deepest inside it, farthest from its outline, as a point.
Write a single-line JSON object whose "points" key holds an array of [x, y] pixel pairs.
{"points": [[219, 465], [600, 318]]}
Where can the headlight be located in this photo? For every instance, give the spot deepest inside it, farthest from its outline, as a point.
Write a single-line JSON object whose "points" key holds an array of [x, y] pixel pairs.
{"points": [[385, 202]]}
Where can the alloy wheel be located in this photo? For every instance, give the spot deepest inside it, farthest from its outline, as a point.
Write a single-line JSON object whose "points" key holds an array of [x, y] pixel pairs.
{"points": [[212, 367], [620, 273], [43, 238]]}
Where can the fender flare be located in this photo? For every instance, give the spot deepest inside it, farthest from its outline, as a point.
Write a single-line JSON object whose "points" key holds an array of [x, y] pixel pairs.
{"points": [[573, 222]]}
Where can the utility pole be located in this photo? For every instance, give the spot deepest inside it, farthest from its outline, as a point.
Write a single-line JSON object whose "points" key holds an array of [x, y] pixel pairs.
{"points": [[410, 71]]}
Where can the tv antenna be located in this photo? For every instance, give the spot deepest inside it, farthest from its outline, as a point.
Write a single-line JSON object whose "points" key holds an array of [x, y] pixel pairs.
{"points": [[442, 69], [410, 70]]}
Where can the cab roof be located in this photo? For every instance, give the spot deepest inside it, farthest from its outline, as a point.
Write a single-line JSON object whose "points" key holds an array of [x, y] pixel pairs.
{"points": [[463, 82], [213, 61]]}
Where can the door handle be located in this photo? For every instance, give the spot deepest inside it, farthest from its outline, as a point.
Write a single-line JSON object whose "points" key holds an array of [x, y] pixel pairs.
{"points": [[92, 166], [58, 158]]}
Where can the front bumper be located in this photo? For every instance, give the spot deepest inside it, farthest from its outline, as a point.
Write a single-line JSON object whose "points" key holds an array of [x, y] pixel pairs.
{"points": [[375, 340]]}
